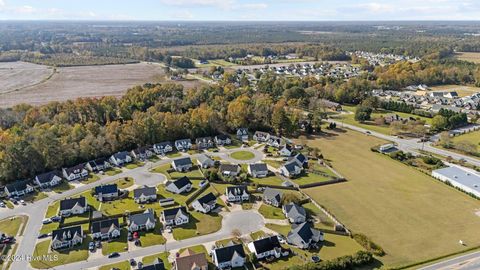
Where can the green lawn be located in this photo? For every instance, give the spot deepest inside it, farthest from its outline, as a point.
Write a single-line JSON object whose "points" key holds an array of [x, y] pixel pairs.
{"points": [[242, 155], [324, 221], [396, 206], [79, 253], [125, 182], [270, 212], [125, 265], [91, 178], [152, 238], [257, 235], [33, 197], [193, 174], [117, 245], [196, 249], [274, 163], [269, 180], [113, 171], [52, 209], [11, 226], [134, 165], [163, 256], [64, 186], [471, 137], [199, 224], [309, 178], [174, 155]]}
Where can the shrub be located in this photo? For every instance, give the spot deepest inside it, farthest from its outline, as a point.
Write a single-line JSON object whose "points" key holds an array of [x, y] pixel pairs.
{"points": [[370, 246], [359, 259]]}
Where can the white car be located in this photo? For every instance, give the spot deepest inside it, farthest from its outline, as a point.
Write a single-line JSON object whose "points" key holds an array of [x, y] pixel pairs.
{"points": [[2, 204], [47, 221], [22, 202]]}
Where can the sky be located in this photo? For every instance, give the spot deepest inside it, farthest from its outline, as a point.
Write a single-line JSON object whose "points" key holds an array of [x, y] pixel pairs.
{"points": [[241, 10]]}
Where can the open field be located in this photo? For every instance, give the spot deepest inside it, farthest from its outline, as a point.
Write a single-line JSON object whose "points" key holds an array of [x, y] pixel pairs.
{"points": [[462, 90], [468, 56], [73, 82], [398, 207], [18, 75]]}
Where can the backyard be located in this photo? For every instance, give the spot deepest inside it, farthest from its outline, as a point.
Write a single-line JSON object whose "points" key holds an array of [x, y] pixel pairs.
{"points": [[79, 253], [383, 195]]}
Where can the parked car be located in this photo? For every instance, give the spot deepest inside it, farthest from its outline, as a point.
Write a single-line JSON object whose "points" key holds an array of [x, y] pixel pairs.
{"points": [[98, 244], [91, 246], [43, 235], [23, 202], [56, 219], [139, 265], [14, 201], [47, 221], [2, 204], [203, 183], [138, 243], [281, 239], [315, 259], [133, 262], [113, 255], [129, 236]]}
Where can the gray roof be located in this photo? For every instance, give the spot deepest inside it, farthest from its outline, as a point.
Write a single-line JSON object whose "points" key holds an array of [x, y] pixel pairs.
{"points": [[204, 159], [146, 191], [272, 195], [47, 177], [463, 177], [302, 233], [141, 219], [229, 168], [290, 166], [182, 161], [67, 204], [258, 167], [294, 210]]}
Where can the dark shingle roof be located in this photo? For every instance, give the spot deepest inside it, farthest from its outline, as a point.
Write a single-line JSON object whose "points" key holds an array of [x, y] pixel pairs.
{"points": [[121, 155], [229, 168], [75, 169], [67, 204], [302, 233], [142, 218], [181, 182], [146, 191], [17, 185], [222, 137], [66, 234], [266, 244], [294, 210], [104, 226], [290, 166], [207, 199], [162, 145], [173, 212], [227, 253], [258, 167], [272, 194], [47, 177], [106, 189], [182, 161], [236, 190], [156, 265]]}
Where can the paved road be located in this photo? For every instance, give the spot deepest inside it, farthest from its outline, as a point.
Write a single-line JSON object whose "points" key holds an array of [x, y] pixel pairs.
{"points": [[37, 210], [465, 262], [245, 221]]}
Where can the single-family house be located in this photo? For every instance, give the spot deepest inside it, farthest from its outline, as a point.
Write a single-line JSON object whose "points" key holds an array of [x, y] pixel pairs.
{"points": [[257, 170], [205, 161], [183, 144], [106, 192], [105, 229], [273, 197], [49, 179], [156, 265], [181, 185], [142, 222], [304, 235], [291, 169], [18, 188], [274, 141], [231, 256], [300, 159], [99, 164], [189, 260], [75, 173], [145, 194], [330, 105], [286, 150], [182, 164], [242, 134], [229, 169], [294, 213], [206, 203], [261, 136], [204, 143], [73, 206], [142, 153], [237, 194], [222, 139], [66, 237], [120, 158], [162, 148], [266, 247], [175, 216]]}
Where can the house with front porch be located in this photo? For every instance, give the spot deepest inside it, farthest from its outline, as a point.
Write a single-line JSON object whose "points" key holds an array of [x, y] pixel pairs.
{"points": [[66, 237], [105, 229], [175, 216], [142, 222], [77, 172]]}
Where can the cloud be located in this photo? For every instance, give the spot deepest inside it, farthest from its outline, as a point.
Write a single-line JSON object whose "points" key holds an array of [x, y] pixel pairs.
{"points": [[198, 3], [377, 7], [254, 6]]}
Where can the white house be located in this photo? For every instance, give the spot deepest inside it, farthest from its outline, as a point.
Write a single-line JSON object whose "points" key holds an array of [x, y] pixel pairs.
{"points": [[229, 257], [230, 170], [145, 194], [286, 150], [99, 164], [175, 216], [274, 141], [75, 173], [266, 247], [242, 134], [105, 229], [222, 139], [120, 158], [183, 144], [49, 179], [18, 188], [182, 164], [237, 194], [304, 235], [257, 170], [205, 203], [291, 169], [107, 192], [142, 153], [66, 237], [261, 136], [163, 148], [142, 222], [294, 213], [204, 143], [181, 185], [205, 161], [73, 206]]}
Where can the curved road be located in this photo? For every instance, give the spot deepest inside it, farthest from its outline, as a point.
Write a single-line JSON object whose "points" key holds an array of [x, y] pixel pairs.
{"points": [[36, 211]]}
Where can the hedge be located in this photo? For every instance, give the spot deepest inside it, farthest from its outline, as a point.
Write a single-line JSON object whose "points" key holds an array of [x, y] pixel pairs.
{"points": [[361, 258]]}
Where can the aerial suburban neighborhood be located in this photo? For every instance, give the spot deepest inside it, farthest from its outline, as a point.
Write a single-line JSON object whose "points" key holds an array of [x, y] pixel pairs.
{"points": [[256, 135]]}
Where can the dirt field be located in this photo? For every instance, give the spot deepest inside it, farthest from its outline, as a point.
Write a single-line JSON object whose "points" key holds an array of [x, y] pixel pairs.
{"points": [[17, 75], [86, 81], [409, 214], [468, 56]]}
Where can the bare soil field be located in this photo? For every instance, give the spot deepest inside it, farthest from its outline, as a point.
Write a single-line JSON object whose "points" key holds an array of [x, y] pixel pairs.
{"points": [[18, 75], [86, 81]]}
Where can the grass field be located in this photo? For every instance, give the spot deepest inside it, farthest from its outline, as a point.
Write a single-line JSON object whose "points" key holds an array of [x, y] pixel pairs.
{"points": [[163, 256], [79, 253], [200, 224], [269, 180], [270, 212], [472, 137], [242, 155], [11, 226], [117, 245], [401, 209], [468, 56], [462, 90]]}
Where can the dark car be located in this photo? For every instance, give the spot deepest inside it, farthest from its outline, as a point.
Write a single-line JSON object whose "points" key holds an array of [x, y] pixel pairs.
{"points": [[129, 237], [133, 262], [139, 265], [315, 259], [138, 243], [56, 219], [98, 244], [91, 246], [113, 255], [43, 235]]}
